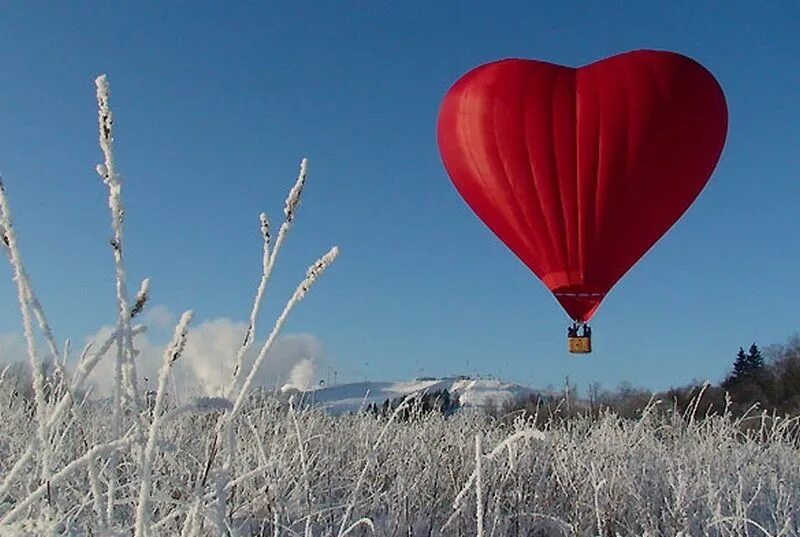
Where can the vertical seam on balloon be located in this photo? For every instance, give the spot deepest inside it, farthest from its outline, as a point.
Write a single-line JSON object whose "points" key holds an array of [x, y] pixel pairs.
{"points": [[471, 152], [580, 217], [560, 224], [553, 249], [509, 192], [600, 177], [601, 184], [470, 149], [521, 207], [635, 199], [640, 193], [621, 209], [519, 216], [563, 223], [597, 181], [607, 223], [524, 208]]}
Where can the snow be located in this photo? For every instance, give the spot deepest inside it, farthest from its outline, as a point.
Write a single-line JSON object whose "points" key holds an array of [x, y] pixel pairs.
{"points": [[471, 392]]}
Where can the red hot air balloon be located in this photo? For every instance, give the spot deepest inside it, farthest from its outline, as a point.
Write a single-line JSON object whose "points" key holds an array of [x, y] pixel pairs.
{"points": [[579, 171]]}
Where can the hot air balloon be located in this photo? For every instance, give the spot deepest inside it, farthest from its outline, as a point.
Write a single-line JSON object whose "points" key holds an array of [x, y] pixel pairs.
{"points": [[579, 171]]}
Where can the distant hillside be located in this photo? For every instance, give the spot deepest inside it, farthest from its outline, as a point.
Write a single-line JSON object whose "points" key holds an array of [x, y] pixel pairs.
{"points": [[476, 393]]}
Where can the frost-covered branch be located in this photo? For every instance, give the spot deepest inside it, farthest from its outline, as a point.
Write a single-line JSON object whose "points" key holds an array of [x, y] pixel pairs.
{"points": [[125, 372], [267, 263], [23, 296], [171, 354], [56, 479], [313, 272]]}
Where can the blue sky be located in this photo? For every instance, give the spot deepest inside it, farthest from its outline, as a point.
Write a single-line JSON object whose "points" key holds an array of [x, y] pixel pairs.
{"points": [[216, 103]]}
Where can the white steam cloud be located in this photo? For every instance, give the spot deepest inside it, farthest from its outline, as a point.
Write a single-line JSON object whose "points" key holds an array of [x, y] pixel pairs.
{"points": [[206, 365], [302, 376]]}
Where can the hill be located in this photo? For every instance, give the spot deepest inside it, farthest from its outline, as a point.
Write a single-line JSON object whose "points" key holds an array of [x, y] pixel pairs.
{"points": [[471, 392]]}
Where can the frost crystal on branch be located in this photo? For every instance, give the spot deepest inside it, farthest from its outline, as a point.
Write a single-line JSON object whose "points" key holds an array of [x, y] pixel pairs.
{"points": [[264, 227], [141, 298], [179, 338], [314, 271], [294, 194], [105, 122]]}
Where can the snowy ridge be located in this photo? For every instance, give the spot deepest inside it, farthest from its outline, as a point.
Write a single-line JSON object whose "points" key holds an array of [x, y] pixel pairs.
{"points": [[471, 392]]}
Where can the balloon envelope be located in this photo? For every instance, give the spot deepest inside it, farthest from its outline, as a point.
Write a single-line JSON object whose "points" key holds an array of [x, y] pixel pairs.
{"points": [[579, 171]]}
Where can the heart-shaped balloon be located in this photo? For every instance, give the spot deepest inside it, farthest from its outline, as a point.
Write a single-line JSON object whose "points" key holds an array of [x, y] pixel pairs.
{"points": [[579, 171]]}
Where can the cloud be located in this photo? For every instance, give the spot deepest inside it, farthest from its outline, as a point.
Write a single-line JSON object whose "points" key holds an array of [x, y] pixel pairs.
{"points": [[160, 317], [12, 348], [207, 363], [212, 346]]}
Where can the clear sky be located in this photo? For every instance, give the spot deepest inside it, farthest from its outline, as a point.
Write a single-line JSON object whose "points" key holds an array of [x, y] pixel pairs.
{"points": [[216, 103]]}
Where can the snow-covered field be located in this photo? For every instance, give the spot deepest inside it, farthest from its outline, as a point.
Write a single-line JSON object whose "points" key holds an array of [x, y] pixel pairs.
{"points": [[352, 397], [307, 472]]}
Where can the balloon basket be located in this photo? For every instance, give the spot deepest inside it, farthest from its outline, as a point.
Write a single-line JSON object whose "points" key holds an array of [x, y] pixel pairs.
{"points": [[579, 344]]}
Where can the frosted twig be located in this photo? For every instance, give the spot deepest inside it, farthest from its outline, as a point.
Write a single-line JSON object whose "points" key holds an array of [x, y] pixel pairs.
{"points": [[107, 171], [266, 270], [361, 522], [35, 305], [268, 262], [289, 210], [294, 194], [516, 437], [313, 272], [15, 471], [41, 320], [97, 494], [190, 525], [171, 354], [741, 519], [97, 451], [478, 485], [598, 511], [473, 478], [696, 403], [141, 298], [126, 392], [224, 426], [23, 294], [65, 354], [351, 504], [202, 404], [303, 464], [84, 368], [88, 362]]}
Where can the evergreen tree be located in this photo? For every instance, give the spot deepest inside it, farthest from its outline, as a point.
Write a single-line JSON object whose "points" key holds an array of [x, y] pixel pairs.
{"points": [[747, 366], [740, 367], [755, 362]]}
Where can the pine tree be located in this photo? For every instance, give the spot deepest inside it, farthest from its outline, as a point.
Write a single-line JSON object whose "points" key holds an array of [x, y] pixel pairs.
{"points": [[748, 367], [755, 362], [741, 367]]}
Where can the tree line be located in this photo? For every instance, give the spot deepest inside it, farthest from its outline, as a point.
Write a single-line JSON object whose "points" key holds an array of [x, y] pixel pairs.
{"points": [[758, 381]]}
